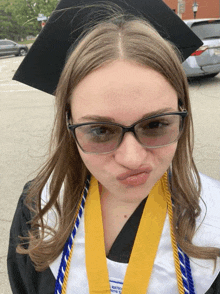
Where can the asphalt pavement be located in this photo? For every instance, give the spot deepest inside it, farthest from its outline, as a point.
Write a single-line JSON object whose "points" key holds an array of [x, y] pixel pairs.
{"points": [[26, 119]]}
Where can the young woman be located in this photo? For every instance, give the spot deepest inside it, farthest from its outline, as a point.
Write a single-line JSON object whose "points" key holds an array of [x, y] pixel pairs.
{"points": [[119, 207]]}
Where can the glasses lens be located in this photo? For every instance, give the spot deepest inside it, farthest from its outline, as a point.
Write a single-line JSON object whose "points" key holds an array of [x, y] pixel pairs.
{"points": [[159, 131], [98, 138]]}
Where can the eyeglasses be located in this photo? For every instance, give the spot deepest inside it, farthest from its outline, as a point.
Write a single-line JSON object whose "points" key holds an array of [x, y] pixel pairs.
{"points": [[152, 132]]}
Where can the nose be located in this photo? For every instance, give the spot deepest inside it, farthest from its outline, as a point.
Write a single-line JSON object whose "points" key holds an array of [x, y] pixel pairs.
{"points": [[131, 154]]}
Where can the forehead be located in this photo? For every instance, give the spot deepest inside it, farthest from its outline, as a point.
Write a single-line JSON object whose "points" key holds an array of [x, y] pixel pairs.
{"points": [[122, 90]]}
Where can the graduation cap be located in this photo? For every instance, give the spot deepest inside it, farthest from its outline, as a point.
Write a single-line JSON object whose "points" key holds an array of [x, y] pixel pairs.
{"points": [[42, 66]]}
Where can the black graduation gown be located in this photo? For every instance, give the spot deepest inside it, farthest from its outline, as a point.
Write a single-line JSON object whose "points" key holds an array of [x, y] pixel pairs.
{"points": [[22, 275]]}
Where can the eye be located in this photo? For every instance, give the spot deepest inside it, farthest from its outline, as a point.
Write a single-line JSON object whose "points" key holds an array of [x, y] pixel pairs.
{"points": [[156, 124], [102, 133], [100, 130]]}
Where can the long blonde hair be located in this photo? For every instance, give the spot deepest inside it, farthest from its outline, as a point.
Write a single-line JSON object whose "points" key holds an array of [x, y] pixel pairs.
{"points": [[135, 40]]}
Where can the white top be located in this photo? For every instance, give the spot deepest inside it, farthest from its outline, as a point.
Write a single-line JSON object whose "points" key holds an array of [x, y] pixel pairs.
{"points": [[163, 274]]}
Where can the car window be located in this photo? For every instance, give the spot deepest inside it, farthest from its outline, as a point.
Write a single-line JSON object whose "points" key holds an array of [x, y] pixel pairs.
{"points": [[207, 29], [2, 42], [9, 43]]}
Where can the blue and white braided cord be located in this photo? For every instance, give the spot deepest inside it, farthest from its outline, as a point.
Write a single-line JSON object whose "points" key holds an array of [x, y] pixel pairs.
{"points": [[69, 243], [186, 272]]}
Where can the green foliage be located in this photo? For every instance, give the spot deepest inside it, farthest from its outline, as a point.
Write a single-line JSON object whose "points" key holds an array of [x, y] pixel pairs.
{"points": [[26, 42], [18, 18]]}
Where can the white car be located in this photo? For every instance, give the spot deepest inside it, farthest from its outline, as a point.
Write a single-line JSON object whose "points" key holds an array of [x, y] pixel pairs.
{"points": [[205, 61]]}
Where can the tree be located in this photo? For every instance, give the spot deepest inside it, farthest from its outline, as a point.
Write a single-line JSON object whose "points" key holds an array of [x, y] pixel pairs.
{"points": [[26, 11], [9, 28], [18, 18]]}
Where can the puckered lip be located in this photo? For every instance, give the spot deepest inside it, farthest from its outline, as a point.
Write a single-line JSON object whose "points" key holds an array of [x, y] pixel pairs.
{"points": [[134, 172]]}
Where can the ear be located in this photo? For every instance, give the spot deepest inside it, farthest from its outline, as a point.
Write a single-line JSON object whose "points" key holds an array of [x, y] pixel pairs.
{"points": [[68, 121], [180, 104], [68, 114]]}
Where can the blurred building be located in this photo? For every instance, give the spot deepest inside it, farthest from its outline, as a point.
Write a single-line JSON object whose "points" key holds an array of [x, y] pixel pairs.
{"points": [[206, 8]]}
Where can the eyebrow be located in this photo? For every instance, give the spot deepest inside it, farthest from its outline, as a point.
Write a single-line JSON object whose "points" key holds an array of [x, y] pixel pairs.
{"points": [[99, 118]]}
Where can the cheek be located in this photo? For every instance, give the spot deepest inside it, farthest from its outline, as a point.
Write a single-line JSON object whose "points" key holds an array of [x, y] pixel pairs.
{"points": [[164, 156], [94, 163]]}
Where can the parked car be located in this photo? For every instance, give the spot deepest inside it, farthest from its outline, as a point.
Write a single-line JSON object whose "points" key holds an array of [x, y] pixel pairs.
{"points": [[205, 60], [8, 47]]}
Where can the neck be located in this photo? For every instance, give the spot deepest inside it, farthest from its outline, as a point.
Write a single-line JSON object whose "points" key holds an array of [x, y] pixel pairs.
{"points": [[115, 213], [118, 199], [121, 205]]}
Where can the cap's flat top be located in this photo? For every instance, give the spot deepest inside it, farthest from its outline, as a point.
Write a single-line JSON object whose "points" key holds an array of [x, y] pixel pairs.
{"points": [[42, 66]]}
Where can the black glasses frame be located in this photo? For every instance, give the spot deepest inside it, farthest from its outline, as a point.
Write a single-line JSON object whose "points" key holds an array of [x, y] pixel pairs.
{"points": [[131, 128]]}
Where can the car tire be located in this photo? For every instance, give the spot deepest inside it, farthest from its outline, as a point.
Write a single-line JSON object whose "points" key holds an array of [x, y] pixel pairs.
{"points": [[22, 52], [212, 75]]}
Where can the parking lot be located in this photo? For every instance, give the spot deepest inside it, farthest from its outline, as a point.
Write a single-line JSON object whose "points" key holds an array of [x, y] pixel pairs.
{"points": [[26, 120]]}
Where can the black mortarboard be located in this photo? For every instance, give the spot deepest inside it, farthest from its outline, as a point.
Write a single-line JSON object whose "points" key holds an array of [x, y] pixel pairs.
{"points": [[42, 66]]}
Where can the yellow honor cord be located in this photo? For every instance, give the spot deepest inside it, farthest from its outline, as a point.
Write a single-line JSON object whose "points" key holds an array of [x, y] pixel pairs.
{"points": [[96, 263], [144, 251], [64, 286], [174, 245], [145, 247]]}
